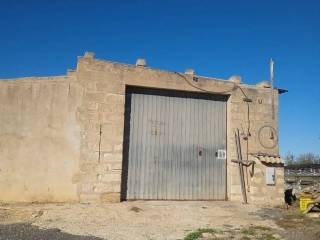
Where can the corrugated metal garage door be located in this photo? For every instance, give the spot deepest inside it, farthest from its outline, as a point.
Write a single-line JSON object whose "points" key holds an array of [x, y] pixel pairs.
{"points": [[173, 146]]}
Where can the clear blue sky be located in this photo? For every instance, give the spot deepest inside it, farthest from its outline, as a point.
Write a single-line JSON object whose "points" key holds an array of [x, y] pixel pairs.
{"points": [[216, 38]]}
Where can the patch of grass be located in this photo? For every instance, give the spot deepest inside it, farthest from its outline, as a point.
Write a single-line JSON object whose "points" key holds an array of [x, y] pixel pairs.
{"points": [[198, 234], [267, 236], [298, 225], [245, 238], [257, 232], [293, 219], [249, 231]]}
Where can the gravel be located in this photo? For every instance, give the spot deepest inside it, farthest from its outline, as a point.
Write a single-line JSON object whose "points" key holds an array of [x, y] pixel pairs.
{"points": [[136, 220]]}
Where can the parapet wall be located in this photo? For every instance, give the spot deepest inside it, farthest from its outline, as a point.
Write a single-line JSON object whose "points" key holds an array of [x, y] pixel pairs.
{"points": [[39, 139]]}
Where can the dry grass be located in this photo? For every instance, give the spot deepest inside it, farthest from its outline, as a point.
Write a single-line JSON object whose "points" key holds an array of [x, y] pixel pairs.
{"points": [[299, 226], [248, 233]]}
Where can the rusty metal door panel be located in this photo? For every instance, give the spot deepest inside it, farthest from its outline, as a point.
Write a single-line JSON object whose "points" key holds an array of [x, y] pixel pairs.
{"points": [[173, 145]]}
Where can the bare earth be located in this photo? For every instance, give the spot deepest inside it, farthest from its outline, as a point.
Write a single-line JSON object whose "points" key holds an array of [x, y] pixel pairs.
{"points": [[139, 219]]}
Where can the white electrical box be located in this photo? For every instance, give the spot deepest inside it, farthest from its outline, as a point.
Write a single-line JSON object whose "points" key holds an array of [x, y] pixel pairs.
{"points": [[222, 154], [271, 176]]}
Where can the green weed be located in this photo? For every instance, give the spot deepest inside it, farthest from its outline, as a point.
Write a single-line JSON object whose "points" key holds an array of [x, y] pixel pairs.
{"points": [[198, 234]]}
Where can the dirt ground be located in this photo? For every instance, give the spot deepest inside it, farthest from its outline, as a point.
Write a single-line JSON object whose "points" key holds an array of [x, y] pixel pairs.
{"points": [[158, 220]]}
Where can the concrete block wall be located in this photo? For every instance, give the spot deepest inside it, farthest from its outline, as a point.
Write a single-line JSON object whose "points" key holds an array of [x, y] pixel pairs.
{"points": [[102, 78], [101, 118], [260, 115], [260, 192]]}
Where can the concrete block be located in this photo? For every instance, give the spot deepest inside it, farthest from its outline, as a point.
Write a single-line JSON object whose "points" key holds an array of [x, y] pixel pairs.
{"points": [[115, 99], [111, 197], [102, 187], [108, 156], [92, 106], [86, 187], [117, 148], [103, 168], [95, 97], [111, 86], [116, 165], [89, 198], [87, 167], [92, 115], [111, 177], [236, 189], [107, 117], [109, 108], [91, 86], [106, 146], [112, 157], [84, 177]]}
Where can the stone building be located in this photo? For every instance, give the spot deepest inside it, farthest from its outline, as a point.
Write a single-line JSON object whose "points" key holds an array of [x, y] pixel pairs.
{"points": [[108, 131]]}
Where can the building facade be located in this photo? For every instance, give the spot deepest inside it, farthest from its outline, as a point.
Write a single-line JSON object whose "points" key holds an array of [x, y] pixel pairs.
{"points": [[108, 132]]}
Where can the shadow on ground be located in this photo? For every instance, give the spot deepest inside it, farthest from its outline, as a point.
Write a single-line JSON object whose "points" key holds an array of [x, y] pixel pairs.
{"points": [[268, 213], [24, 231], [294, 224]]}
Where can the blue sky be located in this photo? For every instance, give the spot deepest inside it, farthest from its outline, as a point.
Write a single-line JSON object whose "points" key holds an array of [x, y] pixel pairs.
{"points": [[216, 38]]}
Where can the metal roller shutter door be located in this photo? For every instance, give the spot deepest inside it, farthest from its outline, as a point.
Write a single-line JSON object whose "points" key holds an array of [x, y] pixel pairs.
{"points": [[173, 144]]}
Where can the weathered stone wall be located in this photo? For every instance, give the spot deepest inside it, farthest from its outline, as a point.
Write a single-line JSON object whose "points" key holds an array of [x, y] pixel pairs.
{"points": [[265, 194], [103, 105], [260, 116], [96, 110], [101, 116], [39, 139]]}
